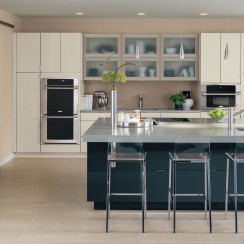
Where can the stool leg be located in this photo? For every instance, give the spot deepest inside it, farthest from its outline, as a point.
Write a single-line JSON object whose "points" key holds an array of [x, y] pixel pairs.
{"points": [[108, 195], [174, 194], [145, 186], [209, 197], [235, 192], [205, 189], [169, 189], [227, 187], [142, 194]]}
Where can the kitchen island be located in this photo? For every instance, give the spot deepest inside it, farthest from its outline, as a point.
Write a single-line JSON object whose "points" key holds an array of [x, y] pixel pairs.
{"points": [[158, 142]]}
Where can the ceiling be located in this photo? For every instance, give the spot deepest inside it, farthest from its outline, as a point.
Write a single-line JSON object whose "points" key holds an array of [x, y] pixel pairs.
{"points": [[123, 8]]}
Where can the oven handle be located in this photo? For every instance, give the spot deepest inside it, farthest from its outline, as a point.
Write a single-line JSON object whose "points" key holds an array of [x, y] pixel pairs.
{"points": [[59, 117], [59, 88], [221, 94]]}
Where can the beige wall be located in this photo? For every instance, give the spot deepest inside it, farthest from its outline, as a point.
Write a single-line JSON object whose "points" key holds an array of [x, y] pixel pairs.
{"points": [[156, 93], [6, 83]]}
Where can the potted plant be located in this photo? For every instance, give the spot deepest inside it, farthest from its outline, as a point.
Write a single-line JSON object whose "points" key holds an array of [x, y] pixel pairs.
{"points": [[177, 98]]}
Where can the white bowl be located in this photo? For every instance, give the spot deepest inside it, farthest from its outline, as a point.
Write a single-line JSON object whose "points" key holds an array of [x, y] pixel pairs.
{"points": [[170, 50]]}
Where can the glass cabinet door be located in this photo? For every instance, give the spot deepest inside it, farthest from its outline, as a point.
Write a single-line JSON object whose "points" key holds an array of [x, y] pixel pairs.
{"points": [[171, 45], [102, 45], [144, 70], [93, 68], [175, 69], [148, 45]]}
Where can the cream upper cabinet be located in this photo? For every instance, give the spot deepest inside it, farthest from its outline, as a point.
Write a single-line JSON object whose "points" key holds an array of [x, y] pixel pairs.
{"points": [[28, 52], [50, 52], [71, 52], [210, 58], [231, 68], [214, 68], [28, 112], [61, 52], [242, 53]]}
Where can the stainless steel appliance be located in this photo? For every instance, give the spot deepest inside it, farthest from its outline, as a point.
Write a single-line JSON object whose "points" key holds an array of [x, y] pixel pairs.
{"points": [[100, 100], [59, 110], [222, 96]]}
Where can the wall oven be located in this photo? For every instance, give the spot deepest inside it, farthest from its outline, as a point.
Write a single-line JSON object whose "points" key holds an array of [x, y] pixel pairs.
{"points": [[59, 111], [222, 96]]}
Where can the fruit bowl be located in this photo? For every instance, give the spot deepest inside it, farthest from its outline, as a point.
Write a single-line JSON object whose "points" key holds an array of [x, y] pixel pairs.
{"points": [[216, 114]]}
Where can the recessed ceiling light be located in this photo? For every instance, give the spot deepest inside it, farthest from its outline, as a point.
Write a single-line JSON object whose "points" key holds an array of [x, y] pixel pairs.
{"points": [[79, 13], [203, 14], [141, 13]]}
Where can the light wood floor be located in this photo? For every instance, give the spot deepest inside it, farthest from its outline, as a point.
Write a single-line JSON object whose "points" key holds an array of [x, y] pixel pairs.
{"points": [[43, 201]]}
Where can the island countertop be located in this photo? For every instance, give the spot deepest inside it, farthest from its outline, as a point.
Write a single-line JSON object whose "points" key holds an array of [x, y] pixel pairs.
{"points": [[101, 131]]}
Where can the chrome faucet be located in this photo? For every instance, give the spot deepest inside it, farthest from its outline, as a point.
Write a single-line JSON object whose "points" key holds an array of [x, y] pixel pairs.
{"points": [[140, 101], [231, 115]]}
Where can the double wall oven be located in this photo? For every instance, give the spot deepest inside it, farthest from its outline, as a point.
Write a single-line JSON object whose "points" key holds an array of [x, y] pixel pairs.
{"points": [[59, 108], [222, 96]]}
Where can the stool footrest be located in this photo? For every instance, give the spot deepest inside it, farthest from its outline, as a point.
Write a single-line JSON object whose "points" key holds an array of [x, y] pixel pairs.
{"points": [[239, 195], [189, 195], [126, 194]]}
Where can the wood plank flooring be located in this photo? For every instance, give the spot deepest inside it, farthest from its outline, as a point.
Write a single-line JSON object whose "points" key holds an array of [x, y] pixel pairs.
{"points": [[43, 201]]}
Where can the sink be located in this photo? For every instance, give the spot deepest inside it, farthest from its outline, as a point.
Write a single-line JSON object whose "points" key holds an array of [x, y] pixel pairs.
{"points": [[240, 128]]}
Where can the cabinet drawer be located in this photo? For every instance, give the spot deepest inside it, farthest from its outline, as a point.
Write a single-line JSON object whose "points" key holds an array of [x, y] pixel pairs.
{"points": [[94, 116], [150, 115]]}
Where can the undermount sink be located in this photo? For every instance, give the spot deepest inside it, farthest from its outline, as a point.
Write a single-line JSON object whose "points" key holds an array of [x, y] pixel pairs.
{"points": [[240, 128]]}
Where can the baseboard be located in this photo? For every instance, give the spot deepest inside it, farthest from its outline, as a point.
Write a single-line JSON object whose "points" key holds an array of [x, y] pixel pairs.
{"points": [[6, 159], [50, 155]]}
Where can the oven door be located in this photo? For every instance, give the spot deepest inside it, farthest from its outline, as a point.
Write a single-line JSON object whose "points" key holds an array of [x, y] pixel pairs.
{"points": [[60, 129], [220, 100], [61, 101]]}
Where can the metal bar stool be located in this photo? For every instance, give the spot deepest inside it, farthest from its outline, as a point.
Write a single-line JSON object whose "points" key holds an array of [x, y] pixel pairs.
{"points": [[119, 152], [237, 158], [190, 150]]}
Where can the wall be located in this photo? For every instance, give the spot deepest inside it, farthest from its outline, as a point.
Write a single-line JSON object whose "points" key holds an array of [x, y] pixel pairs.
{"points": [[156, 93], [6, 83]]}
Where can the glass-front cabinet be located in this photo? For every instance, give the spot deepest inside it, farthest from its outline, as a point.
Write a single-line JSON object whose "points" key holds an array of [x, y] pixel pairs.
{"points": [[171, 45], [175, 69], [94, 67], [146, 69], [148, 45], [102, 45]]}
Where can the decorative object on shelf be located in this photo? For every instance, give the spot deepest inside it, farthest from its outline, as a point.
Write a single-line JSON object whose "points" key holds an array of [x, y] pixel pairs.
{"points": [[188, 102], [114, 78], [178, 99]]}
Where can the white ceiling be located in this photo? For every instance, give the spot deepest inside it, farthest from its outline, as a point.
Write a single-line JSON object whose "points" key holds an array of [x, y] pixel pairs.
{"points": [[124, 8]]}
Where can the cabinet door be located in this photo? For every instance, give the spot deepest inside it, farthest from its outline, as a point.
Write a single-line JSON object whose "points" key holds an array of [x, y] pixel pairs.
{"points": [[50, 52], [70, 52], [28, 112], [28, 52], [230, 68], [210, 58], [242, 52]]}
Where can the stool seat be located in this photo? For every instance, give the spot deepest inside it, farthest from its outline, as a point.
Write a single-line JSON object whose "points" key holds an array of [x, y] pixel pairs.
{"points": [[191, 157], [137, 157]]}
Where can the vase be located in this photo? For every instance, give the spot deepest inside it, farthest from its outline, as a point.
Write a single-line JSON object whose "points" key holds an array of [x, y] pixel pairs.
{"points": [[114, 108], [178, 106], [188, 104]]}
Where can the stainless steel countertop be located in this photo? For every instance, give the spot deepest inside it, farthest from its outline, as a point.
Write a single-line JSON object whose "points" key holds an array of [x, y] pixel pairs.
{"points": [[101, 131]]}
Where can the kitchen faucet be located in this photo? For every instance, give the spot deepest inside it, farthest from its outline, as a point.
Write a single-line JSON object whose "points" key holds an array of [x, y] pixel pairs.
{"points": [[231, 114], [140, 101]]}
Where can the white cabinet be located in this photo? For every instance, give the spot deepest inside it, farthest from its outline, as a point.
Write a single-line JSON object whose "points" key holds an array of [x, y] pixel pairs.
{"points": [[28, 112], [214, 67], [87, 119], [60, 52], [28, 52], [50, 52], [181, 114]]}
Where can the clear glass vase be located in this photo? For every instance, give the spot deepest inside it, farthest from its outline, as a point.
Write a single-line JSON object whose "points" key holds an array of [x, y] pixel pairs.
{"points": [[114, 108]]}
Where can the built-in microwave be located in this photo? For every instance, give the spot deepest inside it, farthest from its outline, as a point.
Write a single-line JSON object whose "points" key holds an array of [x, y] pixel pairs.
{"points": [[222, 96]]}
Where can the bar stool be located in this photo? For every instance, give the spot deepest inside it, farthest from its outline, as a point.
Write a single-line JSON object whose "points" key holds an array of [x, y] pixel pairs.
{"points": [[237, 158], [190, 150], [119, 153]]}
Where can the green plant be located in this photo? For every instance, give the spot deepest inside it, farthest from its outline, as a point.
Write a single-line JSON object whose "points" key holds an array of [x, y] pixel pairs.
{"points": [[114, 77], [177, 98]]}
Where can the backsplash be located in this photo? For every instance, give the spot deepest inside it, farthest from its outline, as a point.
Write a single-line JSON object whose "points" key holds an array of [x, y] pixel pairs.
{"points": [[155, 93]]}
